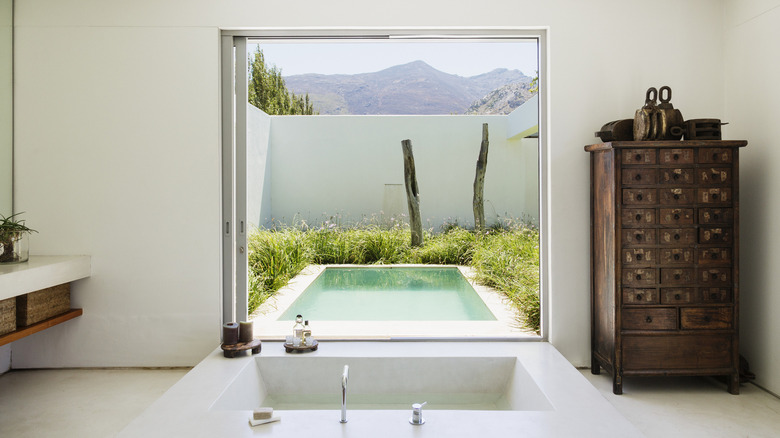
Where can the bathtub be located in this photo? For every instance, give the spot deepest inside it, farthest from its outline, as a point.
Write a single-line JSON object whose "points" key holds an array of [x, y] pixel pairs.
{"points": [[473, 389]]}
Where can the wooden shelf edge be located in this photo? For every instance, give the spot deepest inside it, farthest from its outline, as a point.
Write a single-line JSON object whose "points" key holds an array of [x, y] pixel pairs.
{"points": [[39, 326]]}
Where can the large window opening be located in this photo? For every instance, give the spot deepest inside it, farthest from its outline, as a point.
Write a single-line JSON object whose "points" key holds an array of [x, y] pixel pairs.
{"points": [[313, 176]]}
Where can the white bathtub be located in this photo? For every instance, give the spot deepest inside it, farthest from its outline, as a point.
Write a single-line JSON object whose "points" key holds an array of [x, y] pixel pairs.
{"points": [[384, 383], [473, 389]]}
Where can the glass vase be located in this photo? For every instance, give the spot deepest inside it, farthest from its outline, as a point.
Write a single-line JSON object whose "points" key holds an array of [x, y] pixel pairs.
{"points": [[14, 247]]}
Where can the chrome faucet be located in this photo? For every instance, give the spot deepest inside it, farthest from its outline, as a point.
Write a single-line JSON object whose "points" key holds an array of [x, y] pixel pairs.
{"points": [[344, 378], [417, 418]]}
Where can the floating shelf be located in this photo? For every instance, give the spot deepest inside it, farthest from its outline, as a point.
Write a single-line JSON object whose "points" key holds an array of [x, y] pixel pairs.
{"points": [[39, 326]]}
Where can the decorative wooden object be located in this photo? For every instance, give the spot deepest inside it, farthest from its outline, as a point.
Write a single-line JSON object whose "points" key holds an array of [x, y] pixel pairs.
{"points": [[42, 304], [233, 350], [290, 348], [412, 193], [478, 203], [664, 259], [39, 326]]}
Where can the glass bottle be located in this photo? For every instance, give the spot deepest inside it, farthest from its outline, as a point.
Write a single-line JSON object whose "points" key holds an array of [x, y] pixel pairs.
{"points": [[306, 334], [298, 331]]}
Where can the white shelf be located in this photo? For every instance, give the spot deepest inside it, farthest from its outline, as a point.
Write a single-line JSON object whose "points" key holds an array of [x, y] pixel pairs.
{"points": [[41, 272]]}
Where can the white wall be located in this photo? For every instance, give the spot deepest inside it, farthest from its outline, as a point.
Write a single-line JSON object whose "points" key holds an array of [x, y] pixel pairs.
{"points": [[258, 162], [327, 166], [119, 150], [752, 65]]}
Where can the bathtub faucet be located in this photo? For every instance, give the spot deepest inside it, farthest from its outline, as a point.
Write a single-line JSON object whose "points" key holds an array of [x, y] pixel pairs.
{"points": [[344, 378]]}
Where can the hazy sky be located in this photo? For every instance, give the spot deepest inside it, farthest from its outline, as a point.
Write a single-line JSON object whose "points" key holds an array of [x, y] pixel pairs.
{"points": [[460, 58]]}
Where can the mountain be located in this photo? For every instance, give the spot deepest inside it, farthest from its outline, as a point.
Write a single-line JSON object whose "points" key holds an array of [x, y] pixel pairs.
{"points": [[413, 88], [502, 100]]}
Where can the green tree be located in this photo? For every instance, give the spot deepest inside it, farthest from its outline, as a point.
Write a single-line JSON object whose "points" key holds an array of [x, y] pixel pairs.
{"points": [[268, 91]]}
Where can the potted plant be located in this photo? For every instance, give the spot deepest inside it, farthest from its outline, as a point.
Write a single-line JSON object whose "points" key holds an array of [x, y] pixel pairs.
{"points": [[14, 234]]}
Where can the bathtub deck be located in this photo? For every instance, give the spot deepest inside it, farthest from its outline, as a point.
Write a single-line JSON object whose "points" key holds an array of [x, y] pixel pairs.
{"points": [[578, 408]]}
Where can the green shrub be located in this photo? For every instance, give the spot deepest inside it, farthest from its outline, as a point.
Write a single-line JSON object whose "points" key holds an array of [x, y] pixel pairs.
{"points": [[275, 257], [453, 247]]}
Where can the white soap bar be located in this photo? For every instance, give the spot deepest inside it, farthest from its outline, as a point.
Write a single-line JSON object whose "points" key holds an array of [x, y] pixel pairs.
{"points": [[262, 413], [253, 422]]}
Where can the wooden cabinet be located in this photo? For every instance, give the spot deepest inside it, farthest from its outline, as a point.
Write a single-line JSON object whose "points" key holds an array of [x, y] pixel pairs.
{"points": [[664, 259]]}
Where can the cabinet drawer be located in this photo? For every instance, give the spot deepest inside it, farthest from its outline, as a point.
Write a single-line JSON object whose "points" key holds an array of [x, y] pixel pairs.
{"points": [[682, 256], [639, 175], [713, 256], [649, 319], [715, 295], [639, 156], [677, 236], [715, 276], [677, 276], [677, 352], [639, 256], [683, 295], [714, 235], [713, 195], [639, 277], [676, 156], [634, 296], [715, 155], [676, 196], [638, 216], [702, 318], [716, 216], [676, 216], [714, 175], [639, 236], [677, 176], [640, 196]]}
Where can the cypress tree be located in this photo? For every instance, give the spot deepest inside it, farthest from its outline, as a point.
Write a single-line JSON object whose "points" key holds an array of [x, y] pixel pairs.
{"points": [[268, 91]]}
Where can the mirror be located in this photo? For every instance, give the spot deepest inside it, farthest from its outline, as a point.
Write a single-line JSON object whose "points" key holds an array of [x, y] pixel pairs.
{"points": [[6, 106]]}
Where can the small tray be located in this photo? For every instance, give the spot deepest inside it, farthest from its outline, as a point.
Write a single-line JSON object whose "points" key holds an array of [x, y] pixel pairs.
{"points": [[232, 350], [302, 348]]}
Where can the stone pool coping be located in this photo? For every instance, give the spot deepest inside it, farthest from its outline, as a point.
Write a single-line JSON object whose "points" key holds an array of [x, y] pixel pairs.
{"points": [[579, 410], [267, 327]]}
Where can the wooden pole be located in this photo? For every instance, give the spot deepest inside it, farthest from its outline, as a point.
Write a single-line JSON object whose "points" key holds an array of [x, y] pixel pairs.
{"points": [[479, 182], [412, 193]]}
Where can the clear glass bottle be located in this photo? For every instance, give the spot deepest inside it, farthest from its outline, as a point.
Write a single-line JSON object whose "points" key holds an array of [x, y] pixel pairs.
{"points": [[298, 331], [306, 334]]}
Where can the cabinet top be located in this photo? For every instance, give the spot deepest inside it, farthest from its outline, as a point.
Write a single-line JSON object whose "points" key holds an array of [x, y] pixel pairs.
{"points": [[666, 144]]}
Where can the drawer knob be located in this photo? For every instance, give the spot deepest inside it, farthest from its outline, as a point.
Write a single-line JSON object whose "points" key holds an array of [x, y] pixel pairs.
{"points": [[638, 157], [714, 256], [716, 236], [676, 177], [714, 296], [676, 196], [677, 297], [638, 177], [676, 217], [638, 217], [714, 276], [639, 297], [677, 256], [677, 277], [676, 157], [676, 237], [638, 237], [639, 197], [714, 157], [638, 276], [649, 319], [714, 176], [716, 216], [639, 256], [714, 196]]}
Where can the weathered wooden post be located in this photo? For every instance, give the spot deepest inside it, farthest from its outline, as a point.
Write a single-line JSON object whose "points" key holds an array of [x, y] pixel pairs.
{"points": [[479, 182], [412, 193]]}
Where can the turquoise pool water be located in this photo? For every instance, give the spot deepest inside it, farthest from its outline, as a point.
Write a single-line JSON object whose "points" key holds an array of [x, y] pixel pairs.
{"points": [[390, 294]]}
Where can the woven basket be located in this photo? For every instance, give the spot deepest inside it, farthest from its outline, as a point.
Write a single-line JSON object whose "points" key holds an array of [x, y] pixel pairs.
{"points": [[7, 315], [39, 305]]}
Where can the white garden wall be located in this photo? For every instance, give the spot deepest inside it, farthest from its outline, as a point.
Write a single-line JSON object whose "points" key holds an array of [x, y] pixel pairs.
{"points": [[341, 166]]}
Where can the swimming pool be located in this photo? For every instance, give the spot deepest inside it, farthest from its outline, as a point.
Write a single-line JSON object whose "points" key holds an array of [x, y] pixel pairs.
{"points": [[389, 294]]}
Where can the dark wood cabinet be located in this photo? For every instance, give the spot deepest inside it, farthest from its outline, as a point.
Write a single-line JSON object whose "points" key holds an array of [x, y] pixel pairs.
{"points": [[664, 259]]}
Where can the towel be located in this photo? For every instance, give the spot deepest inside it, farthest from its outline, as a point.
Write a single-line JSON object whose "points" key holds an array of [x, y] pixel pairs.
{"points": [[253, 422]]}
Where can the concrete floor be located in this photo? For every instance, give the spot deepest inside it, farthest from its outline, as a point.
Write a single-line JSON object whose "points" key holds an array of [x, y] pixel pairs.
{"points": [[99, 403]]}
